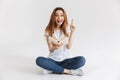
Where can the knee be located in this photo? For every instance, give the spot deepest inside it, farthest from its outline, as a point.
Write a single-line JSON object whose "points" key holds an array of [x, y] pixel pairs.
{"points": [[81, 60], [40, 60]]}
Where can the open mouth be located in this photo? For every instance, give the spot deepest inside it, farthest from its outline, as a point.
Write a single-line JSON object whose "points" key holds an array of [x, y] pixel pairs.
{"points": [[59, 22]]}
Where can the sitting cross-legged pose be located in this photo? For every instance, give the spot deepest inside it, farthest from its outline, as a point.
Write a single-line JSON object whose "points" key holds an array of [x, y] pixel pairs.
{"points": [[59, 35]]}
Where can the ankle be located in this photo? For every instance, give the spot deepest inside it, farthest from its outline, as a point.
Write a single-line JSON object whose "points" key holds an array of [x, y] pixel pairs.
{"points": [[66, 71]]}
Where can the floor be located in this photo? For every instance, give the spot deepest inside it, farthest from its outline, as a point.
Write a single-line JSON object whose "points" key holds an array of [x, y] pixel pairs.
{"points": [[17, 65]]}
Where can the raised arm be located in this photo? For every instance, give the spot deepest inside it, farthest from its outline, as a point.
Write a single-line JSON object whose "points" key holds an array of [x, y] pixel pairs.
{"points": [[72, 28]]}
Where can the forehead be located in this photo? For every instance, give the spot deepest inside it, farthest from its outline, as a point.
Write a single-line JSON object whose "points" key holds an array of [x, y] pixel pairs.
{"points": [[59, 12]]}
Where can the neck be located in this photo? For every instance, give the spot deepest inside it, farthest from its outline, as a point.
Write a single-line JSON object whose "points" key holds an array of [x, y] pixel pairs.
{"points": [[57, 27]]}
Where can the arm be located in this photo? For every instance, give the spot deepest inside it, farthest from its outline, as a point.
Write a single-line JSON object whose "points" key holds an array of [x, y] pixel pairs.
{"points": [[72, 28], [64, 40], [60, 42], [51, 46], [70, 41]]}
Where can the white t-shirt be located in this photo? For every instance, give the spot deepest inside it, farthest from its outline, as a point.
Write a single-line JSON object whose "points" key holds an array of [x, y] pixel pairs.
{"points": [[61, 53]]}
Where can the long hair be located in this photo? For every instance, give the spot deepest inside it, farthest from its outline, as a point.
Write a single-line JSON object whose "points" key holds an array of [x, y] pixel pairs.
{"points": [[52, 24]]}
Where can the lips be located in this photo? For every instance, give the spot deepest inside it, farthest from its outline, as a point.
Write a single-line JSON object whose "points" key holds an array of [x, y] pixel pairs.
{"points": [[59, 21]]}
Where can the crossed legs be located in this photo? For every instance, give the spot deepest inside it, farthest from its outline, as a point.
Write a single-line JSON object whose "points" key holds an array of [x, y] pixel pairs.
{"points": [[61, 67]]}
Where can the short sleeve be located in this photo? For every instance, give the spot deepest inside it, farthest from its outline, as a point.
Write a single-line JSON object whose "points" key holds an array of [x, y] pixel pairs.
{"points": [[46, 34]]}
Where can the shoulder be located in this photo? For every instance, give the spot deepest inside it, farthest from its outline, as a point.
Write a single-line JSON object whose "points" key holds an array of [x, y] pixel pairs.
{"points": [[46, 33]]}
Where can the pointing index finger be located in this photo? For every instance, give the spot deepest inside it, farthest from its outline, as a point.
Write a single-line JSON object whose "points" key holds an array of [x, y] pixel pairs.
{"points": [[72, 22]]}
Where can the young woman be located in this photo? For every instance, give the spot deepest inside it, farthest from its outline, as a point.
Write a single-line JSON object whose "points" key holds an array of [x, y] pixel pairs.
{"points": [[59, 36]]}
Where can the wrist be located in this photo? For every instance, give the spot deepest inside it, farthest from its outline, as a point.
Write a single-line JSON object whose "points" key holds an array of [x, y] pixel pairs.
{"points": [[71, 33]]}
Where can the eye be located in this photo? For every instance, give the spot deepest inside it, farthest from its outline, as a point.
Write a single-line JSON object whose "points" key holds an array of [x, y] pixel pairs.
{"points": [[61, 15], [56, 15]]}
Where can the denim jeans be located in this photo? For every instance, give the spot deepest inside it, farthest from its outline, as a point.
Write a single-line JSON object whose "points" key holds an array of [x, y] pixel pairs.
{"points": [[58, 67]]}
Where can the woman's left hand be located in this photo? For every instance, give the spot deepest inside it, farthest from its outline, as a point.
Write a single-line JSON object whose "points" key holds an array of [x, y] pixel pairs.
{"points": [[72, 28]]}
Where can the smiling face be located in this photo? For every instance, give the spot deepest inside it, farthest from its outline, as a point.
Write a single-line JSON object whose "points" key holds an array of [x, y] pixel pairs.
{"points": [[59, 17], [58, 20]]}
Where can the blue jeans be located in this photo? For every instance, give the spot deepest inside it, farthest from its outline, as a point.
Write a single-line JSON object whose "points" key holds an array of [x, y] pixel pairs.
{"points": [[58, 67]]}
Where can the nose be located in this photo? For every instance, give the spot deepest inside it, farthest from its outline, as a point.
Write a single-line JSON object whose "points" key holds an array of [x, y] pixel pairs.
{"points": [[59, 18]]}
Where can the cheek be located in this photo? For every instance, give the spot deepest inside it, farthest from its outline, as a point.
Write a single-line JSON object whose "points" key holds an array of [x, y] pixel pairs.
{"points": [[63, 18], [56, 18]]}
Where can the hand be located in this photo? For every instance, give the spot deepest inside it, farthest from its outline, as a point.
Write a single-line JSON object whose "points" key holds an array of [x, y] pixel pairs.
{"points": [[54, 47], [72, 28], [59, 44]]}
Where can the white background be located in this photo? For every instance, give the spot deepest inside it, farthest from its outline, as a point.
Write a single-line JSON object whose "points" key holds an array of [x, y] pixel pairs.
{"points": [[97, 36]]}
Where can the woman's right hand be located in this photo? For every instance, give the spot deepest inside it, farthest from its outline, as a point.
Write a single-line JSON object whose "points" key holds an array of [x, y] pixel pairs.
{"points": [[54, 47]]}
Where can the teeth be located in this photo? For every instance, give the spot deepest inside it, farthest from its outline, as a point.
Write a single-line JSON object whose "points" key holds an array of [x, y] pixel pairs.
{"points": [[59, 21]]}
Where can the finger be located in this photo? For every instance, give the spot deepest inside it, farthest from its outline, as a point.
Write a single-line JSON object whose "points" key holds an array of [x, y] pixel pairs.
{"points": [[72, 22]]}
